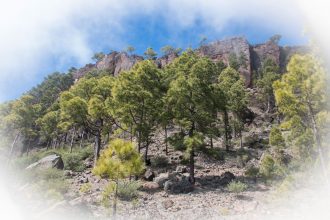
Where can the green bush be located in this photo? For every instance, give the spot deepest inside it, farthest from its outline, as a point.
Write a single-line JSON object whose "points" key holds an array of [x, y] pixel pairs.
{"points": [[75, 161], [252, 172], [236, 187], [159, 161], [215, 153], [128, 190], [270, 169]]}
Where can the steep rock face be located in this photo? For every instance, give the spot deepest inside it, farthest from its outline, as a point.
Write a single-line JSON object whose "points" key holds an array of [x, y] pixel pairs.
{"points": [[249, 56], [287, 52], [116, 62], [83, 71], [165, 60], [222, 50], [261, 52]]}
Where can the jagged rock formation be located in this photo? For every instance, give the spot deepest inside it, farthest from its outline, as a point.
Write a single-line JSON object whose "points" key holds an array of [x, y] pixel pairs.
{"points": [[116, 62], [222, 50], [249, 56]]}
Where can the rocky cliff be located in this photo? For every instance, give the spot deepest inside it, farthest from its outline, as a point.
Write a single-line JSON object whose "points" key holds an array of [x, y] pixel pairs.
{"points": [[250, 57]]}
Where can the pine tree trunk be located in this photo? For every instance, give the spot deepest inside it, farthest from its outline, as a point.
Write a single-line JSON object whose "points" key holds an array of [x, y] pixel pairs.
{"points": [[268, 104], [191, 159], [318, 143], [114, 205], [13, 144], [241, 139], [72, 138], [211, 142], [81, 139], [226, 121], [97, 147], [166, 144]]}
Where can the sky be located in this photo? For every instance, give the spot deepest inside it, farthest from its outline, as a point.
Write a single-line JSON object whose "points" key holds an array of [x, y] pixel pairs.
{"points": [[38, 37]]}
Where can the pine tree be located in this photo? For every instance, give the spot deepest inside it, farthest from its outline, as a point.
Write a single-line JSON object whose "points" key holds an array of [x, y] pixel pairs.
{"points": [[191, 97], [301, 97], [137, 102], [118, 161], [85, 105]]}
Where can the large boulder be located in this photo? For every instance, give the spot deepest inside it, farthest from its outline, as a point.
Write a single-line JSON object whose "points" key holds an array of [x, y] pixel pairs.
{"points": [[161, 179], [178, 183], [50, 161]]}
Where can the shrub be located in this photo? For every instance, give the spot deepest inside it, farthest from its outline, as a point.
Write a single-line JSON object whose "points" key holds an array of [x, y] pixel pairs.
{"points": [[128, 190], [252, 172], [159, 161], [215, 153], [269, 169], [236, 187], [85, 188]]}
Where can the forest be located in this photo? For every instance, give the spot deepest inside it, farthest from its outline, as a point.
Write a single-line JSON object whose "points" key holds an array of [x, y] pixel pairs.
{"points": [[131, 129]]}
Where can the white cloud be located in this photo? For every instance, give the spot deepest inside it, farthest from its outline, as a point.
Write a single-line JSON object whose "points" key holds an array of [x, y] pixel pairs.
{"points": [[34, 33]]}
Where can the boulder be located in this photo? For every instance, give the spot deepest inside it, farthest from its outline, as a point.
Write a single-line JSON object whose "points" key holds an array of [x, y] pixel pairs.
{"points": [[161, 179], [149, 175], [150, 186], [226, 178], [178, 183], [50, 161]]}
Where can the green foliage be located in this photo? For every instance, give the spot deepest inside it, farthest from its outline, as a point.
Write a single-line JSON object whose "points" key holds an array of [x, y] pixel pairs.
{"points": [[159, 161], [150, 54], [98, 56], [270, 169], [233, 61], [50, 181], [215, 153], [275, 38], [130, 49], [252, 172], [85, 188], [128, 190], [167, 50], [137, 100], [301, 96], [236, 187], [176, 141], [119, 160]]}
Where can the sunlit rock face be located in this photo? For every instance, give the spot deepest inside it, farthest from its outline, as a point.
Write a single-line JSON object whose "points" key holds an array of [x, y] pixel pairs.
{"points": [[83, 71], [116, 62], [221, 50], [249, 56], [261, 52], [165, 60]]}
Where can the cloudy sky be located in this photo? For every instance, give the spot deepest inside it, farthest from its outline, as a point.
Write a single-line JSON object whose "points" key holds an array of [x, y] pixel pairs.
{"points": [[38, 37]]}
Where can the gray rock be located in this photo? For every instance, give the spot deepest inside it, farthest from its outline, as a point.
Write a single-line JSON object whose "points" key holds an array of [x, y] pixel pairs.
{"points": [[50, 161], [161, 179], [149, 175], [178, 184]]}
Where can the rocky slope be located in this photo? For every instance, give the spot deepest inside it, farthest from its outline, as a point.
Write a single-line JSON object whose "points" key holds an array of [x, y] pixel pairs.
{"points": [[251, 57]]}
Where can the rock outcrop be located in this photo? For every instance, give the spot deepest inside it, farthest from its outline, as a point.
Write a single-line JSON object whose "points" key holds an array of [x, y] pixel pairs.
{"points": [[250, 57], [222, 50], [116, 62], [51, 161]]}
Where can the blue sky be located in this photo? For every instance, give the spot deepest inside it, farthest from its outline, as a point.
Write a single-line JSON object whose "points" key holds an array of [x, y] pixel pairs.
{"points": [[41, 37]]}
